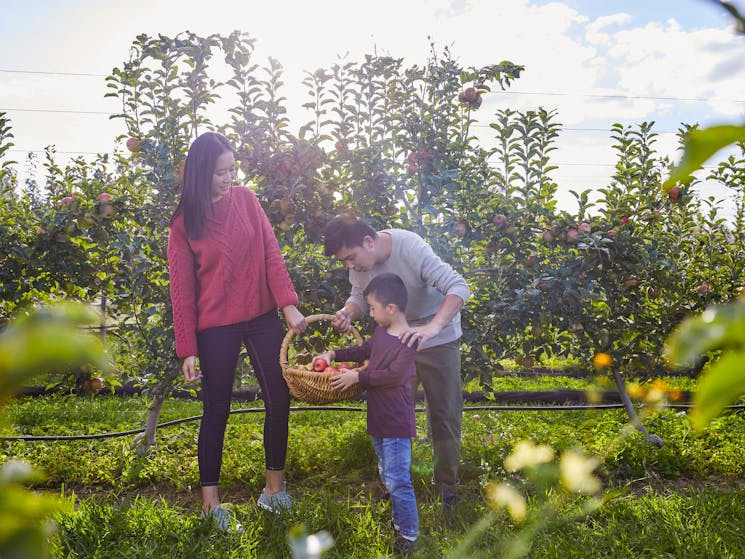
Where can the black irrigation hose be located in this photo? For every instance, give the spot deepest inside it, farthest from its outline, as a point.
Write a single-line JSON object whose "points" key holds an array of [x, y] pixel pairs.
{"points": [[573, 407]]}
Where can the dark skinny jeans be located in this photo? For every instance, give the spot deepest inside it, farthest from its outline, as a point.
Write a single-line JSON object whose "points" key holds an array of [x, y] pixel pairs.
{"points": [[219, 349]]}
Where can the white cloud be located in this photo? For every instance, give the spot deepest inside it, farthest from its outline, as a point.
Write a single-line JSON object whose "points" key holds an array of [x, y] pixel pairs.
{"points": [[594, 33], [562, 49], [663, 60]]}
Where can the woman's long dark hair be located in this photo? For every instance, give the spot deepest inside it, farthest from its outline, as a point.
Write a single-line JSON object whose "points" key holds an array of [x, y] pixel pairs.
{"points": [[196, 195]]}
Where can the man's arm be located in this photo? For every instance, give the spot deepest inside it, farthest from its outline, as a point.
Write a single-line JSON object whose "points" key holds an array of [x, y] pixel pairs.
{"points": [[345, 316], [439, 274], [451, 305], [435, 272]]}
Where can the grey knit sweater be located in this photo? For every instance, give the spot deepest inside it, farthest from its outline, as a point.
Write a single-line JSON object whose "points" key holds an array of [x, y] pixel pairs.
{"points": [[427, 278]]}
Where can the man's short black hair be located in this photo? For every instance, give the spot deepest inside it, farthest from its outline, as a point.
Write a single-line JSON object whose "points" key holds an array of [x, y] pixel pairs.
{"points": [[345, 231], [388, 289]]}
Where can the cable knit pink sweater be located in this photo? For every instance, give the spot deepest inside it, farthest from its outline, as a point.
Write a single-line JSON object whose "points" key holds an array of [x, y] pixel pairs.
{"points": [[233, 273]]}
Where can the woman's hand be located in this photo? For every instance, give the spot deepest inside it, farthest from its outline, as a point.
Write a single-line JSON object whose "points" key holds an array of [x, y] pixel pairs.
{"points": [[189, 368], [295, 319]]}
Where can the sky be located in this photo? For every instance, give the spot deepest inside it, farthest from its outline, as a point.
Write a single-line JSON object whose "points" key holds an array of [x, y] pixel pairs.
{"points": [[595, 62]]}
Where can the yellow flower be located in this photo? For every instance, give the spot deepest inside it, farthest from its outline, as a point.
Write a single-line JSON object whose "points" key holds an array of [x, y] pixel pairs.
{"points": [[527, 454], [660, 385], [602, 360], [655, 396], [675, 395], [636, 391], [501, 495], [576, 473]]}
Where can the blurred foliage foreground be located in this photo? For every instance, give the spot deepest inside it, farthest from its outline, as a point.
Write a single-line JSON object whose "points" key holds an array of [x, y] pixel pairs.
{"points": [[47, 339]]}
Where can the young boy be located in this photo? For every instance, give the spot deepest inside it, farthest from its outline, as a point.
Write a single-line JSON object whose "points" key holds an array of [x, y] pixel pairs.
{"points": [[390, 406]]}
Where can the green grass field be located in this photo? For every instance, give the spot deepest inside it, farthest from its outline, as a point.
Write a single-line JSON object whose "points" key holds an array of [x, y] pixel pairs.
{"points": [[686, 499]]}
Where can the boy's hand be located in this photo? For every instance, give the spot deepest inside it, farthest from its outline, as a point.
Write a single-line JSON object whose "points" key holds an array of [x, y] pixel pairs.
{"points": [[345, 380], [327, 356]]}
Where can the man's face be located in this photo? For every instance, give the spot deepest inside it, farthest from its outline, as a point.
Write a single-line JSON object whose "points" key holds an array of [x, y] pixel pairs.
{"points": [[360, 258]]}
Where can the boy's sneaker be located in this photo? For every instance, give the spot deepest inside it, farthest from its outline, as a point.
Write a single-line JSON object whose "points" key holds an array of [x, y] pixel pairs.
{"points": [[224, 520], [277, 503], [403, 547]]}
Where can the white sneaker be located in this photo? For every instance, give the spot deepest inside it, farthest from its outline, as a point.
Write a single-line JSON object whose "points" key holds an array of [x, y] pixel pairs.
{"points": [[278, 503], [224, 520]]}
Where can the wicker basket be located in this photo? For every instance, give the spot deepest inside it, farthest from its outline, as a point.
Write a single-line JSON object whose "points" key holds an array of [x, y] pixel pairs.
{"points": [[310, 386]]}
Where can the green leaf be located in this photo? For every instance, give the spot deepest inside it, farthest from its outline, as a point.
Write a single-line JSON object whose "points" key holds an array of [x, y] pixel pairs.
{"points": [[47, 339], [719, 326], [700, 145], [719, 387]]}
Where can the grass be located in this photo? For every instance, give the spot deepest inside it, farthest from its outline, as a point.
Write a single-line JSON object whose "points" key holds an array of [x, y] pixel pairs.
{"points": [[684, 500]]}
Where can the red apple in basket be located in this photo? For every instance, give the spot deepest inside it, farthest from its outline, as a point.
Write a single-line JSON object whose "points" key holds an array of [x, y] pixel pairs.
{"points": [[319, 365]]}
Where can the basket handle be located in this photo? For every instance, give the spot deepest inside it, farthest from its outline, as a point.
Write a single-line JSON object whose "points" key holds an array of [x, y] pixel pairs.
{"points": [[310, 319]]}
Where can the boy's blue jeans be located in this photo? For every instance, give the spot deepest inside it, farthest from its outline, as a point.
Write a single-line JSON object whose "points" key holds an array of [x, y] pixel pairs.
{"points": [[394, 465]]}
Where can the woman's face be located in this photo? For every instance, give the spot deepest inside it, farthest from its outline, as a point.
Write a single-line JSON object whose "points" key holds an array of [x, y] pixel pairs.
{"points": [[223, 177]]}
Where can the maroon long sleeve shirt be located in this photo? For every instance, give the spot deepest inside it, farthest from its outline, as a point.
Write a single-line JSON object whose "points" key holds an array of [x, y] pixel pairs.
{"points": [[387, 379]]}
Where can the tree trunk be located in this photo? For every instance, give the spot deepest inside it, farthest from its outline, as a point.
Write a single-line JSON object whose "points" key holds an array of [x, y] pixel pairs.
{"points": [[143, 442]]}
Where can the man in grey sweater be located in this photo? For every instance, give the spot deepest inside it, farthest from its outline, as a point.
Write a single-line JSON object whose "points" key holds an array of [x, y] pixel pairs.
{"points": [[436, 296]]}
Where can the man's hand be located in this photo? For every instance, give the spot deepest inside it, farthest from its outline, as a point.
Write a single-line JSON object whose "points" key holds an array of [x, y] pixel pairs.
{"points": [[189, 368], [345, 380], [420, 334], [449, 308], [342, 322]]}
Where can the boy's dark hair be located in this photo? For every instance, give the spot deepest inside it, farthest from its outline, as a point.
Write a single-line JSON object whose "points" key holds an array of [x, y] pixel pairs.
{"points": [[345, 231], [388, 289]]}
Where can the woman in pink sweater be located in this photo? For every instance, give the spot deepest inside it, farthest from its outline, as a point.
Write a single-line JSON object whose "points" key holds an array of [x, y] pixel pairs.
{"points": [[227, 280]]}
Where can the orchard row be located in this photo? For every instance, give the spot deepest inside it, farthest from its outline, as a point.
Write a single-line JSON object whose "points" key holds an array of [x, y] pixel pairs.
{"points": [[394, 144]]}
